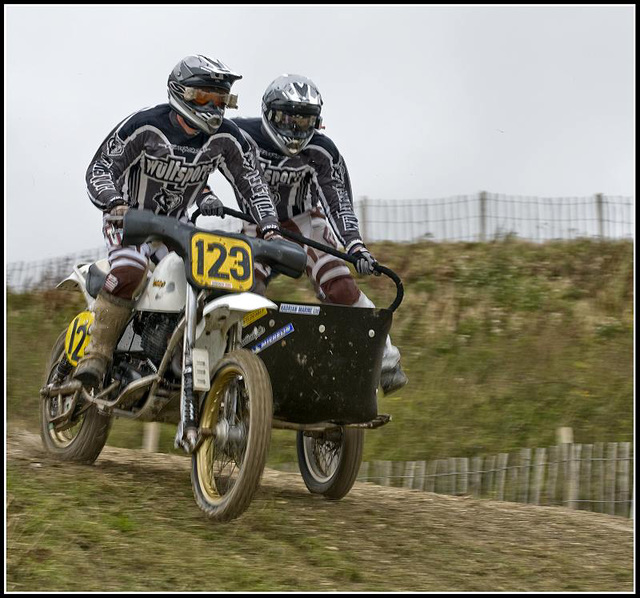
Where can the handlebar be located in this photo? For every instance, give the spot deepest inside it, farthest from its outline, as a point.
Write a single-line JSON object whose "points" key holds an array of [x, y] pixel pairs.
{"points": [[326, 248]]}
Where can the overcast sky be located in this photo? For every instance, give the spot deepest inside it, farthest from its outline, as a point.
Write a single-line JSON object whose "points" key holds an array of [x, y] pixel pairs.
{"points": [[422, 101]]}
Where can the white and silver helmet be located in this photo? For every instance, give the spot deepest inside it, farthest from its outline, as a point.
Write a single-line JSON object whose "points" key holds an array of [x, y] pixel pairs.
{"points": [[291, 108], [200, 90]]}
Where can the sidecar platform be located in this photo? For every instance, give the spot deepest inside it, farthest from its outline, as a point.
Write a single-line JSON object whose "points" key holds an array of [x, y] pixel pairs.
{"points": [[324, 360]]}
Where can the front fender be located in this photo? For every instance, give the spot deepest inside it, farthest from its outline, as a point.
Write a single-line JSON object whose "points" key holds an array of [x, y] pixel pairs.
{"points": [[226, 311]]}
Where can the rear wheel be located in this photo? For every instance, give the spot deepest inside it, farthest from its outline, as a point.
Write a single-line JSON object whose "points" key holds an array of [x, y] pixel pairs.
{"points": [[329, 461], [235, 423], [82, 437]]}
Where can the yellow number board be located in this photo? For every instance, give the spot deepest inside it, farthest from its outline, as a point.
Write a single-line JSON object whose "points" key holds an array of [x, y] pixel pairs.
{"points": [[221, 262], [78, 336]]}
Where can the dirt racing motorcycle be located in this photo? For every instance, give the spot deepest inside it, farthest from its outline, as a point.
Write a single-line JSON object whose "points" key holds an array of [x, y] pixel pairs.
{"points": [[224, 364]]}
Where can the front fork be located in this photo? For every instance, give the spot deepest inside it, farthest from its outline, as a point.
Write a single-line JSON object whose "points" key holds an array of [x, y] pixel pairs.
{"points": [[187, 433]]}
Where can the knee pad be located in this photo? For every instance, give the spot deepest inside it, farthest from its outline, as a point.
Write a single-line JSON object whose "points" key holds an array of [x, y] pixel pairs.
{"points": [[340, 291], [123, 282]]}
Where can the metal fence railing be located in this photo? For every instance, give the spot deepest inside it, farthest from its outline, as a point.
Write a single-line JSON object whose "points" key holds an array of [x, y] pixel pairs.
{"points": [[481, 217]]}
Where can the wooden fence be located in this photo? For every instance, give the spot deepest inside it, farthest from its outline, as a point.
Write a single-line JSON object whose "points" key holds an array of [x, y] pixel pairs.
{"points": [[594, 477]]}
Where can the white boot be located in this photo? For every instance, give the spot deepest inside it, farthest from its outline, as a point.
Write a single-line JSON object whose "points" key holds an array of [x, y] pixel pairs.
{"points": [[392, 377]]}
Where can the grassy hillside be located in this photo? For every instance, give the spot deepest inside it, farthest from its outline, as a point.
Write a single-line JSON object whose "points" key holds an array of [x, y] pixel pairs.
{"points": [[503, 342]]}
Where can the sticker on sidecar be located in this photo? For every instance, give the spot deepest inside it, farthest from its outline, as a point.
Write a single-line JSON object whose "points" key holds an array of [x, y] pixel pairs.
{"points": [[273, 338], [254, 335], [252, 316], [306, 310]]}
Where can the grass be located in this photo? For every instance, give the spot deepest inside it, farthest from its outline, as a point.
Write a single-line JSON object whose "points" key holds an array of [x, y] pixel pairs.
{"points": [[503, 343], [129, 523]]}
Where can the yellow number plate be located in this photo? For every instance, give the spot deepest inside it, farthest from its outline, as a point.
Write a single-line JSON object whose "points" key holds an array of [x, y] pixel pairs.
{"points": [[221, 262], [78, 336]]}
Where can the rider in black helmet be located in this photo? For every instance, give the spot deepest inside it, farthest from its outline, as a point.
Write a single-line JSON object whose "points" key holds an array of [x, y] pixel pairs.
{"points": [[160, 159]]}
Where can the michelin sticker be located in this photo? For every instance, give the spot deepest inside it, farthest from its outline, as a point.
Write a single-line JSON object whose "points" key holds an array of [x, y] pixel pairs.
{"points": [[273, 338], [306, 310]]}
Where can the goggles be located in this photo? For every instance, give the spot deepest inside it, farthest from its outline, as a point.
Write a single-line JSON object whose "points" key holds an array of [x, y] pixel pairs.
{"points": [[202, 97], [296, 123]]}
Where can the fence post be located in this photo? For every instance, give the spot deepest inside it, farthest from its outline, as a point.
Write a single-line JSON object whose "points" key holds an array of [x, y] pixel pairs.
{"points": [[409, 474], [538, 478], [502, 474], [150, 437], [419, 480], [587, 455], [600, 215], [525, 464], [430, 479], [552, 479], [574, 476], [364, 225], [598, 456], [610, 477], [623, 476], [483, 215]]}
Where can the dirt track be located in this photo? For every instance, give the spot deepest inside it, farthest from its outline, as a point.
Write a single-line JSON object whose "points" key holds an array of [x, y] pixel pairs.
{"points": [[433, 542]]}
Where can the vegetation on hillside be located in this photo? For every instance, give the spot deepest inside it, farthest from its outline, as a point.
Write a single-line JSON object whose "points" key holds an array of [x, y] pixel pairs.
{"points": [[503, 342]]}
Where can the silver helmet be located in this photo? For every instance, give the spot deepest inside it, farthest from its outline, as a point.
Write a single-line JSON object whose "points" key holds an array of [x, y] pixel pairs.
{"points": [[291, 108], [200, 90]]}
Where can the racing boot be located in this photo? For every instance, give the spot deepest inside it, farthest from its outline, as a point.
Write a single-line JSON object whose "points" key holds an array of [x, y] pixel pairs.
{"points": [[111, 316], [392, 377]]}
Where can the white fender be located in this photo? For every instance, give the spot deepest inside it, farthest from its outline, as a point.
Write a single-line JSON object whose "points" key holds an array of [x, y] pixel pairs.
{"points": [[78, 279], [231, 308]]}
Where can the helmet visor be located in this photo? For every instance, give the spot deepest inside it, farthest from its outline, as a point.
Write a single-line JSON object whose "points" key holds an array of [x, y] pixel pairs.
{"points": [[293, 124], [218, 97]]}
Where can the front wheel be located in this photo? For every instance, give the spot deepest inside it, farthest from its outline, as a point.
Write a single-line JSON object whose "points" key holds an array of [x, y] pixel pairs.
{"points": [[329, 461], [83, 437], [235, 425]]}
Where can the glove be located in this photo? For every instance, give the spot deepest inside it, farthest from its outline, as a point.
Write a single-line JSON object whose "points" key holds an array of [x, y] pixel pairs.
{"points": [[273, 235], [116, 214], [366, 262], [271, 232], [211, 206]]}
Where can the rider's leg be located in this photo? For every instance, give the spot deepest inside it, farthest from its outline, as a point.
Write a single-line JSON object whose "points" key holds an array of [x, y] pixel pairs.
{"points": [[334, 284], [112, 307]]}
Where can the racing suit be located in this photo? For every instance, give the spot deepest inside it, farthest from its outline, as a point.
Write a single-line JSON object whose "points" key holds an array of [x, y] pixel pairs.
{"points": [[150, 162], [312, 195]]}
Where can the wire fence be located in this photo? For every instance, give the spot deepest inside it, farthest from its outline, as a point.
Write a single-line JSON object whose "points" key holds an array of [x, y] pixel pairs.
{"points": [[488, 216], [593, 477], [481, 217]]}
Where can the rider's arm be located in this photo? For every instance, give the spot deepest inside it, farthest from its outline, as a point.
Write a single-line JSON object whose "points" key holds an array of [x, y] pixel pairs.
{"points": [[122, 148], [240, 167], [333, 188]]}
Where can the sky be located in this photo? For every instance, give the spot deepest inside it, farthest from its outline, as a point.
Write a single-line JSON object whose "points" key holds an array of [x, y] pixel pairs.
{"points": [[422, 101]]}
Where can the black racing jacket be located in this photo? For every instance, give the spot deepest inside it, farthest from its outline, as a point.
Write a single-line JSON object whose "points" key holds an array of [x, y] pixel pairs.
{"points": [[316, 176], [148, 161]]}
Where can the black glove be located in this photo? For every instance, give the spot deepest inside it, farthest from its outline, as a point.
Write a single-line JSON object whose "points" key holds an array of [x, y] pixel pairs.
{"points": [[210, 205], [366, 262]]}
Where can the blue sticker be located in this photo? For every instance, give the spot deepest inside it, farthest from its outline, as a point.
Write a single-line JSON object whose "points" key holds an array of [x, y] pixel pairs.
{"points": [[273, 338]]}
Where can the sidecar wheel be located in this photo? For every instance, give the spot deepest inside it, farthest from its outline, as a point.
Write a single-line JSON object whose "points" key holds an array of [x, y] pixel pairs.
{"points": [[82, 441], [329, 461], [235, 423]]}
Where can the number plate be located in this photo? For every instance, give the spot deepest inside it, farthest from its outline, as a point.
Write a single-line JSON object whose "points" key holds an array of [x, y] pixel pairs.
{"points": [[221, 262], [78, 336]]}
